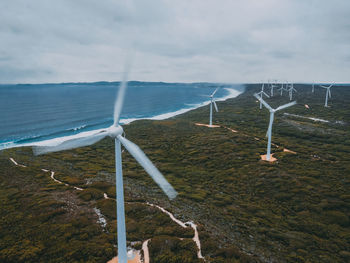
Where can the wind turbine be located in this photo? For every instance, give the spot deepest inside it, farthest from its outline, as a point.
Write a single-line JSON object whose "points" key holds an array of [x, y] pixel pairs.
{"points": [[291, 89], [115, 131], [328, 93], [272, 86], [313, 87], [261, 93], [272, 114], [212, 101], [281, 89]]}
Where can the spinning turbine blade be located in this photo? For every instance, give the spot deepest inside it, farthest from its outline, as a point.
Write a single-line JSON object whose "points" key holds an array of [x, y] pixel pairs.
{"points": [[329, 92], [69, 144], [263, 102], [216, 107], [286, 105], [143, 160], [118, 105], [214, 92]]}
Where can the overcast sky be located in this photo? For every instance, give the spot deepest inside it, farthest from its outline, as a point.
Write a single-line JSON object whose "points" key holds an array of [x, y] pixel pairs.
{"points": [[175, 40]]}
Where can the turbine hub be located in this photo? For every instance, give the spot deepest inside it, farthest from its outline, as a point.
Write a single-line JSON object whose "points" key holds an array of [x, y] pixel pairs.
{"points": [[114, 131]]}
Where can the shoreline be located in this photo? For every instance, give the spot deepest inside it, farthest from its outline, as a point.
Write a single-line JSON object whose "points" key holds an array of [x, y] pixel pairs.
{"points": [[232, 93]]}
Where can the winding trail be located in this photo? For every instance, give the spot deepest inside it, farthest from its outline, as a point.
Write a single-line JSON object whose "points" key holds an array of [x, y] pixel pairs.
{"points": [[145, 249], [184, 225], [17, 164]]}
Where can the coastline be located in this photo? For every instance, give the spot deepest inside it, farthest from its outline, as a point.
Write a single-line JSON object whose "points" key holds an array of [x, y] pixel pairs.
{"points": [[232, 93]]}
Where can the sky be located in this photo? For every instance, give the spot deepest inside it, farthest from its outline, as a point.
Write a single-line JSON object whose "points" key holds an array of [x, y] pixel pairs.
{"points": [[231, 41]]}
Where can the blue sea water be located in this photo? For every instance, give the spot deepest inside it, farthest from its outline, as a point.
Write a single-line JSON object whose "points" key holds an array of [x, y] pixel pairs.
{"points": [[35, 112]]}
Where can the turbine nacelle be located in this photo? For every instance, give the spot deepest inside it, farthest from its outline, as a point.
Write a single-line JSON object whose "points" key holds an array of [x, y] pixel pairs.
{"points": [[115, 131]]}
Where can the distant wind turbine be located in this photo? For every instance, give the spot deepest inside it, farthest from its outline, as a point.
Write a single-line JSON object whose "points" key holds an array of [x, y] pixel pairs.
{"points": [[261, 93], [212, 102], [281, 89], [272, 114], [291, 89], [313, 87], [116, 132], [272, 86], [328, 93]]}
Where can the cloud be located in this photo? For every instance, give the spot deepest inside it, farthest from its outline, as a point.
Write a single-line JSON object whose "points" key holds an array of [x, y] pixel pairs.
{"points": [[193, 40]]}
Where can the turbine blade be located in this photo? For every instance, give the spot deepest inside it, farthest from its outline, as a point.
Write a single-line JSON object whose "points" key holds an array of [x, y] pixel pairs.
{"points": [[263, 102], [216, 107], [118, 105], [214, 92], [143, 160], [329, 93], [48, 147], [286, 105], [266, 94]]}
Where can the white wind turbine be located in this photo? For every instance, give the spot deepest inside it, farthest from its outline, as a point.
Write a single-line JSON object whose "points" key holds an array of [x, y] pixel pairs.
{"points": [[115, 131], [261, 93], [272, 86], [281, 89], [272, 114], [328, 93], [212, 101], [313, 87], [290, 90]]}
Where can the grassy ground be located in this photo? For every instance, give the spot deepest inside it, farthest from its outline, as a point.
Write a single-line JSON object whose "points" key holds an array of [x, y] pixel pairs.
{"points": [[293, 210]]}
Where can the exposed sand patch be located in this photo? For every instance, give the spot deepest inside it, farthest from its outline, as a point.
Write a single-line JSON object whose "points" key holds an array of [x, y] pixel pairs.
{"points": [[289, 151], [207, 125], [136, 258], [272, 159]]}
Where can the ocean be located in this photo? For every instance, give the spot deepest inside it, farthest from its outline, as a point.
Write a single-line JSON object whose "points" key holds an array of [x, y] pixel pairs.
{"points": [[36, 112]]}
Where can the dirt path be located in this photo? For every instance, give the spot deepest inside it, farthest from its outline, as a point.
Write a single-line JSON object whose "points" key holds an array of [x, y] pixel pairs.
{"points": [[137, 258], [184, 225]]}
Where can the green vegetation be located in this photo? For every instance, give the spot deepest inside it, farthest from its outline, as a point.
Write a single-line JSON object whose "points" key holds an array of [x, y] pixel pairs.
{"points": [[293, 210]]}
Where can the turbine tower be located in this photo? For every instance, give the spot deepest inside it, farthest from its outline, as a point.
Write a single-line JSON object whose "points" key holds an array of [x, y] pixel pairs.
{"points": [[212, 101], [272, 114], [261, 93], [313, 87], [328, 93], [116, 132]]}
